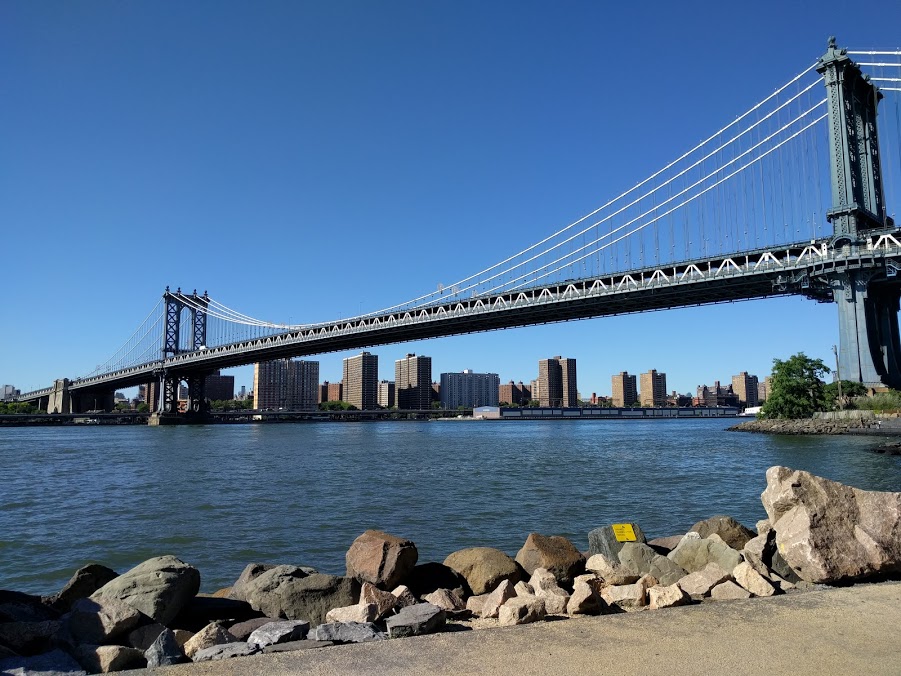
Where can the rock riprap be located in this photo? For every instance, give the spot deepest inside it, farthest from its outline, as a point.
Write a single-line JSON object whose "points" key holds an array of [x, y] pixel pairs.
{"points": [[484, 568], [828, 532], [553, 553]]}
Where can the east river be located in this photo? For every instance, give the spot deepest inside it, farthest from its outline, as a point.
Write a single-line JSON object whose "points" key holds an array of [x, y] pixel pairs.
{"points": [[222, 496]]}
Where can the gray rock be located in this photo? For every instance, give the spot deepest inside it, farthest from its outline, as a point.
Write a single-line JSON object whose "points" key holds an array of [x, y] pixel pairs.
{"points": [[642, 560], [828, 532], [159, 587], [423, 618], [347, 632], [29, 638], [53, 663], [693, 554], [665, 545], [603, 541], [484, 568], [82, 584], [19, 607], [308, 598], [291, 646], [96, 621], [143, 637], [251, 572], [781, 568], [226, 651], [381, 559], [279, 632], [165, 651], [731, 531], [101, 659]]}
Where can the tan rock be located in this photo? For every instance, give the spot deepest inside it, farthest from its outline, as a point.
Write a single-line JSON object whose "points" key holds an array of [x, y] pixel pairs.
{"points": [[758, 551], [484, 568], [523, 589], [102, 659], [404, 597], [446, 599], [700, 583], [362, 612], [693, 554], [381, 559], [728, 591], [497, 598], [210, 635], [553, 553], [586, 597], [626, 596], [521, 610], [96, 621], [476, 604], [751, 580], [182, 636], [828, 532], [382, 600], [660, 596]]}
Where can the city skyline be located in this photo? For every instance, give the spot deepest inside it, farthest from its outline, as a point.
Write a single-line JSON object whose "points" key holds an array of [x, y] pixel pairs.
{"points": [[393, 145]]}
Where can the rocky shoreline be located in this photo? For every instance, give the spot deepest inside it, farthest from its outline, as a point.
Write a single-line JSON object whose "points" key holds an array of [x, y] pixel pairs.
{"points": [[817, 532], [802, 426]]}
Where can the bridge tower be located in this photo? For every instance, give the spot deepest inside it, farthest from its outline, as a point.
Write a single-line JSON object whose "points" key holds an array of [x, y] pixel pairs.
{"points": [[870, 352], [175, 304]]}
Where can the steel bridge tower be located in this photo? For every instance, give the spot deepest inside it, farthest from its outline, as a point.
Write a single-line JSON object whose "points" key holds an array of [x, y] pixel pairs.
{"points": [[175, 304], [867, 299]]}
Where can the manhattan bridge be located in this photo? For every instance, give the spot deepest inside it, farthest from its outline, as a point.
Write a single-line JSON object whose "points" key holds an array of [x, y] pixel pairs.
{"points": [[788, 198]]}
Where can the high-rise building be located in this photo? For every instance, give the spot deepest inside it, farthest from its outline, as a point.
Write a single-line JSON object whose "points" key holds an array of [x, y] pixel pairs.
{"points": [[745, 387], [413, 382], [717, 395], [535, 389], [360, 381], [8, 392], [763, 389], [625, 391], [219, 387], [469, 390], [386, 394], [322, 396], [287, 384], [557, 382], [653, 389], [335, 391], [514, 394]]}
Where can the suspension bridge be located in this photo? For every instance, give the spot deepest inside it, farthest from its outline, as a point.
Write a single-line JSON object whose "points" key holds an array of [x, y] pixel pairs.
{"points": [[787, 198]]}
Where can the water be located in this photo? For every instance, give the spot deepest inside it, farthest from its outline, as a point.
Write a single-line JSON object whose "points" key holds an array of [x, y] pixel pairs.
{"points": [[222, 496]]}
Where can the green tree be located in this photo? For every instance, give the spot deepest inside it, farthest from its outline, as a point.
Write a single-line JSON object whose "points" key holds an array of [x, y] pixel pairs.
{"points": [[850, 389], [797, 388], [143, 408]]}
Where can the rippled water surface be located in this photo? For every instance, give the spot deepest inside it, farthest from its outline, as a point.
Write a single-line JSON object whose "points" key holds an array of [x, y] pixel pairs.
{"points": [[222, 496]]}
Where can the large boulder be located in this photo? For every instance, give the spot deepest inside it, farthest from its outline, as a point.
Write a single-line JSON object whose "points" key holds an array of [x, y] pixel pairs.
{"points": [[521, 610], [29, 638], [641, 559], [699, 583], [18, 607], [611, 572], [53, 663], [201, 610], [484, 568], [607, 539], [828, 532], [281, 594], [279, 632], [554, 553], [97, 621], [159, 587], [165, 651], [381, 559], [731, 531], [491, 603]]}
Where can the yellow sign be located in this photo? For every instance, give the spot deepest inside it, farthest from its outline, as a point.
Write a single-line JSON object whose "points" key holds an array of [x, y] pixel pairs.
{"points": [[624, 532]]}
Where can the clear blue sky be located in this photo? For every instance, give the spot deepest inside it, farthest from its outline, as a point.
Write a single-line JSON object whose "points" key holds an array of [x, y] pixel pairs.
{"points": [[303, 161]]}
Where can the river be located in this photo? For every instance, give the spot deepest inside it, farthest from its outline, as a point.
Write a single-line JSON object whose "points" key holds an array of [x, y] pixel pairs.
{"points": [[221, 496]]}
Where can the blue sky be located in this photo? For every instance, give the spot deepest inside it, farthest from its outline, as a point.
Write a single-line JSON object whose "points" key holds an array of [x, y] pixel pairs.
{"points": [[303, 161]]}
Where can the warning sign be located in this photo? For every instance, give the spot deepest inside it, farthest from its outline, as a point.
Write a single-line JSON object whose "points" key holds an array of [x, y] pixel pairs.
{"points": [[624, 532]]}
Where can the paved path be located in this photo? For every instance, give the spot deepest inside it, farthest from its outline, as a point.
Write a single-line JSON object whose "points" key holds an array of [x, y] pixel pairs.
{"points": [[847, 631]]}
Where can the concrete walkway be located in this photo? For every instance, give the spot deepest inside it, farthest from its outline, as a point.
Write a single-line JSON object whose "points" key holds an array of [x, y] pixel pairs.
{"points": [[834, 631]]}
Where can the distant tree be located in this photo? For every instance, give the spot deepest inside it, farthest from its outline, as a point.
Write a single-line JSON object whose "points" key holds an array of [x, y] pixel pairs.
{"points": [[850, 390], [436, 404], [797, 388], [336, 406], [123, 406], [143, 408], [881, 401]]}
